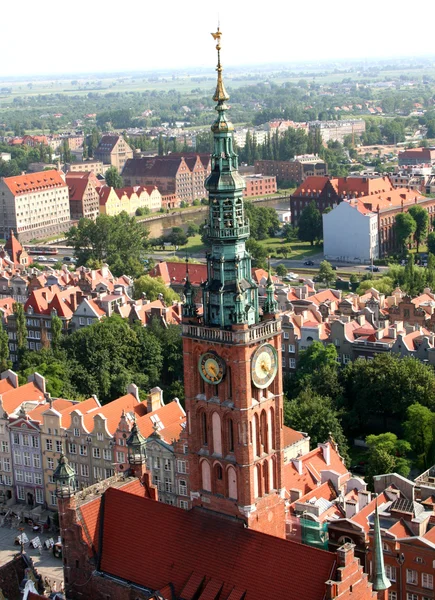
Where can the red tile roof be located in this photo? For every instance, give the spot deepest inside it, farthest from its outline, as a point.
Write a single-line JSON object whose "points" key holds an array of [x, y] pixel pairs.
{"points": [[83, 407], [29, 392], [184, 547], [172, 272], [35, 182], [112, 411], [361, 518], [291, 436], [171, 416]]}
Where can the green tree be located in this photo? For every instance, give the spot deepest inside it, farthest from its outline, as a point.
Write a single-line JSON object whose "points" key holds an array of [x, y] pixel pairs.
{"points": [[310, 224], [430, 271], [56, 333], [21, 327], [55, 369], [177, 237], [258, 253], [152, 287], [5, 363], [421, 218], [281, 270], [387, 454], [192, 230], [113, 178], [119, 241], [170, 339], [419, 431], [405, 227], [326, 273], [316, 415], [431, 242]]}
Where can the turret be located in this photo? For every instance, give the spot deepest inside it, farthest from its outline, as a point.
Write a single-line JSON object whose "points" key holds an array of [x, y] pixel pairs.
{"points": [[380, 581], [136, 449], [65, 478], [271, 305]]}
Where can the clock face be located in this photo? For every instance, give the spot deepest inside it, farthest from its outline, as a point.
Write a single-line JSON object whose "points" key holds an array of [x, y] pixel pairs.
{"points": [[211, 367], [264, 365]]}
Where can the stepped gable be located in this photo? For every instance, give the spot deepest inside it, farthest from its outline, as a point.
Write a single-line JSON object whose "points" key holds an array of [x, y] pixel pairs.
{"points": [[184, 550]]}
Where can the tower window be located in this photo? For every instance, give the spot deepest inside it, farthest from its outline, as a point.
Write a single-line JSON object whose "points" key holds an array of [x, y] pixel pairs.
{"points": [[204, 428], [230, 435], [219, 473]]}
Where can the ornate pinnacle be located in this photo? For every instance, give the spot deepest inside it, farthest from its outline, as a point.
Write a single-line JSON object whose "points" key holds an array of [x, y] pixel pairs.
{"points": [[220, 94]]}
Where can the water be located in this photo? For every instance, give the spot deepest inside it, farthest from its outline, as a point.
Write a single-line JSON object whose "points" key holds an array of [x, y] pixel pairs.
{"points": [[163, 226]]}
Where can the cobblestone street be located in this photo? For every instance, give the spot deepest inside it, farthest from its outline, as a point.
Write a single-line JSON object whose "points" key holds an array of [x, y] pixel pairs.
{"points": [[47, 565]]}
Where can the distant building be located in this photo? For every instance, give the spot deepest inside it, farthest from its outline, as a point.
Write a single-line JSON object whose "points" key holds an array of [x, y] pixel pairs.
{"points": [[350, 233], [337, 131], [129, 199], [5, 156], [297, 169], [33, 206], [417, 156], [85, 166], [113, 150], [174, 174], [15, 252], [84, 200], [259, 185]]}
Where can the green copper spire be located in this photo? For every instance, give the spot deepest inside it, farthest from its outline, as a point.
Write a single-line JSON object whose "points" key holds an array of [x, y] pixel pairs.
{"points": [[230, 296], [189, 308], [379, 579], [271, 305]]}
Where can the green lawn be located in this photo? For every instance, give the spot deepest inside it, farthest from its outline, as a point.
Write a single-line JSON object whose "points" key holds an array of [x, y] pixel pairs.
{"points": [[299, 250]]}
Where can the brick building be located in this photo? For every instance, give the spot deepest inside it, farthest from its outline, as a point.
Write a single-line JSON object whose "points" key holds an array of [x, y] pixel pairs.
{"points": [[259, 185], [84, 200], [33, 206], [296, 170], [417, 156], [174, 174], [113, 150]]}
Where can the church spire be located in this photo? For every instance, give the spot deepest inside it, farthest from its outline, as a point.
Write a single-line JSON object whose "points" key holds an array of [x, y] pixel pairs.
{"points": [[230, 296], [379, 579], [270, 304]]}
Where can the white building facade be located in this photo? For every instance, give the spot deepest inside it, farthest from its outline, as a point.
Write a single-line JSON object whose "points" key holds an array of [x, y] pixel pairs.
{"points": [[350, 233]]}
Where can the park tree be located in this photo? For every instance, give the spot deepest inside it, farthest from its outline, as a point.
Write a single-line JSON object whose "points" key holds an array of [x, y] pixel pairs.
{"points": [[258, 253], [430, 271], [56, 333], [54, 368], [419, 431], [177, 237], [119, 241], [387, 454], [263, 221], [326, 273], [405, 227], [317, 415], [170, 339], [5, 363], [153, 287], [113, 178], [310, 224], [431, 242], [21, 328], [192, 230], [421, 218], [281, 270]]}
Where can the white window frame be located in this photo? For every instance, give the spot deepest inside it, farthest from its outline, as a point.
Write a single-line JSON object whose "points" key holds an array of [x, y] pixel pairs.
{"points": [[182, 466], [411, 576], [20, 492], [96, 453], [39, 495], [182, 487], [427, 581]]}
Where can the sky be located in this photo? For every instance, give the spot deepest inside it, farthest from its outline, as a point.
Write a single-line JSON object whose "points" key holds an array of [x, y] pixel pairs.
{"points": [[96, 36]]}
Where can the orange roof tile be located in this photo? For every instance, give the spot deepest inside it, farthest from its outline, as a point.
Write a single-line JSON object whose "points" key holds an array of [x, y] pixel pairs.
{"points": [[5, 386], [83, 407], [58, 404], [361, 518], [29, 392], [112, 411], [291, 436], [171, 416], [34, 182]]}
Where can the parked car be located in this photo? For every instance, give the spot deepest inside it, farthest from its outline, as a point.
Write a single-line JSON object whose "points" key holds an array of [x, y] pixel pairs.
{"points": [[41, 259], [372, 268], [69, 259], [292, 275], [309, 263], [52, 259]]}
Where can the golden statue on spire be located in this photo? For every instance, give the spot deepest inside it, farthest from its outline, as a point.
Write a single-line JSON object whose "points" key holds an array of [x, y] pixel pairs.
{"points": [[220, 94]]}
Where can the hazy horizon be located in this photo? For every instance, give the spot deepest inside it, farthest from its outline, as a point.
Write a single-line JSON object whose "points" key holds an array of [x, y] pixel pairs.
{"points": [[88, 38]]}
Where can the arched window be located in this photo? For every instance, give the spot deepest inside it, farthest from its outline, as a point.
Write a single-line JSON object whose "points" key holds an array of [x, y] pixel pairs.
{"points": [[230, 383], [218, 479], [273, 474], [264, 445], [204, 432], [266, 477], [206, 476], [256, 435], [217, 433], [232, 483], [257, 475], [230, 432], [272, 440]]}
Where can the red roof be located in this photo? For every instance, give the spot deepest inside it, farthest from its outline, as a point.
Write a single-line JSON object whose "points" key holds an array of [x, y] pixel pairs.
{"points": [[291, 436], [171, 416], [112, 411], [29, 392], [173, 272], [83, 407], [183, 547], [35, 182]]}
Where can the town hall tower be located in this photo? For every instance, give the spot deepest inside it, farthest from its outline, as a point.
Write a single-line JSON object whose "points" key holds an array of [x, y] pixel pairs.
{"points": [[232, 354]]}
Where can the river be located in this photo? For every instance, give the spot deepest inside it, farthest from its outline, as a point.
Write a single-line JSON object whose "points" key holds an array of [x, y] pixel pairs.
{"points": [[163, 226]]}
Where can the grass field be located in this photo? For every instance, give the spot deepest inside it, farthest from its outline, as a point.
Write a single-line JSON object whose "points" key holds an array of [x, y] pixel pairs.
{"points": [[299, 250]]}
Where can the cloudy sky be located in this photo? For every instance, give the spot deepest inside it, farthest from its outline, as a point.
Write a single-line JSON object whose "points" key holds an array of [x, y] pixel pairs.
{"points": [[92, 35]]}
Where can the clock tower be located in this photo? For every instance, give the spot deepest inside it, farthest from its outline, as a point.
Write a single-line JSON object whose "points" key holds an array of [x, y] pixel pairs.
{"points": [[232, 353]]}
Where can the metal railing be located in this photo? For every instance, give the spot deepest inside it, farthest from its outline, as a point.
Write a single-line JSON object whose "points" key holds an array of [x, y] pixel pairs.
{"points": [[241, 336]]}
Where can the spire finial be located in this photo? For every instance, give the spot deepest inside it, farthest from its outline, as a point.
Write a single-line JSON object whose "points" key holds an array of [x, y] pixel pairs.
{"points": [[220, 94], [380, 580]]}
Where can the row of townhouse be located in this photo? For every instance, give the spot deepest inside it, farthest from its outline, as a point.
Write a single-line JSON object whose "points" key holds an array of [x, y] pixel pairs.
{"points": [[36, 429], [338, 509], [358, 326], [129, 199]]}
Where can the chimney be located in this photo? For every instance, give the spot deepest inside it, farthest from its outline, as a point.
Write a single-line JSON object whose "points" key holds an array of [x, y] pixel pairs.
{"points": [[39, 381], [326, 451], [154, 399], [364, 497], [12, 376], [392, 332], [361, 319], [133, 390], [298, 464], [351, 507]]}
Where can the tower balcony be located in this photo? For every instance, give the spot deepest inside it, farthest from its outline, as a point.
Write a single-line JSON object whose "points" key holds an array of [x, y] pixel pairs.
{"points": [[227, 336], [217, 233]]}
